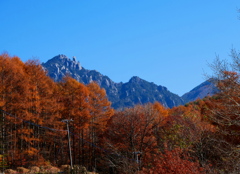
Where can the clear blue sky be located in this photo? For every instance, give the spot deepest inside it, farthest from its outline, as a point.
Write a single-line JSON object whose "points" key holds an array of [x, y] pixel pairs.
{"points": [[162, 41]]}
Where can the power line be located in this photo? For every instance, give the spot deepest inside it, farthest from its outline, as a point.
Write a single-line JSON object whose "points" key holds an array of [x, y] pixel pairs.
{"points": [[44, 127], [74, 134]]}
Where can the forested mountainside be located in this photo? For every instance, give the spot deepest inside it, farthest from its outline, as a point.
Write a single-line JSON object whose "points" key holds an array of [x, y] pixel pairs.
{"points": [[136, 91]]}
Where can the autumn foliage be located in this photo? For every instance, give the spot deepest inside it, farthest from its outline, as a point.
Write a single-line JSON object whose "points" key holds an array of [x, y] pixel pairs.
{"points": [[175, 161], [32, 108], [200, 137]]}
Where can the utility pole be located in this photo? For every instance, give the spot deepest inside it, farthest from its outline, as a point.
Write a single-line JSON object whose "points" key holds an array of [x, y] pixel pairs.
{"points": [[137, 157], [69, 143]]}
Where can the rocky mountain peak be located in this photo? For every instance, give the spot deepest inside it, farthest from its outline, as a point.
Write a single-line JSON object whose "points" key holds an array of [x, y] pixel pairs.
{"points": [[60, 56], [60, 65], [65, 62], [135, 79]]}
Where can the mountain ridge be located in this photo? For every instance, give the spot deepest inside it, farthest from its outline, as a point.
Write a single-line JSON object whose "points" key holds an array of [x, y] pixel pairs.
{"points": [[135, 91]]}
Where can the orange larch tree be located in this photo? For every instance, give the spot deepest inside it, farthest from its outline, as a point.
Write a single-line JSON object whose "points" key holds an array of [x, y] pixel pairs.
{"points": [[44, 110], [14, 87], [74, 97], [100, 113]]}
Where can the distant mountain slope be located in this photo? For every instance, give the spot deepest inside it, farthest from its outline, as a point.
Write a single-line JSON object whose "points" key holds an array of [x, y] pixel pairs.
{"points": [[136, 91], [206, 88], [139, 91]]}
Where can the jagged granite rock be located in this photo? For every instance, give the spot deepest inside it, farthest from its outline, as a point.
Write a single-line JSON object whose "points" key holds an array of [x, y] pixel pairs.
{"points": [[60, 65]]}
